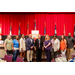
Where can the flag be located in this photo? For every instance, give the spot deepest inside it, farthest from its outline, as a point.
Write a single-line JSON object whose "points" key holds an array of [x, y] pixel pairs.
{"points": [[45, 29], [35, 25], [74, 31], [28, 28], [10, 30], [19, 29], [55, 30], [64, 30], [0, 29], [0, 32]]}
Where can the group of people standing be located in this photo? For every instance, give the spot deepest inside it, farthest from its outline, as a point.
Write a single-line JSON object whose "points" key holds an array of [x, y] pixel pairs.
{"points": [[24, 46], [15, 46], [66, 46]]}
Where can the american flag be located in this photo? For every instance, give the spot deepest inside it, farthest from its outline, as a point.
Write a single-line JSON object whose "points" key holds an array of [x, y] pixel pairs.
{"points": [[10, 29], [55, 30], [35, 25], [45, 29], [0, 32], [0, 29], [28, 28], [19, 29], [74, 31]]}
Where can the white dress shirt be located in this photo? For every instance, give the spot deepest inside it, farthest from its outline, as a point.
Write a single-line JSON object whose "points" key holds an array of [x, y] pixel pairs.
{"points": [[31, 40], [55, 44]]}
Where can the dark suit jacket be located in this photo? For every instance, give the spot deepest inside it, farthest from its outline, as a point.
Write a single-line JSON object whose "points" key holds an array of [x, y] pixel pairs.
{"points": [[37, 44], [29, 44]]}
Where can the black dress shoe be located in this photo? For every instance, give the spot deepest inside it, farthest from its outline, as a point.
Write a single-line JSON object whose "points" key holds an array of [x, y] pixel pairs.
{"points": [[47, 61], [30, 61]]}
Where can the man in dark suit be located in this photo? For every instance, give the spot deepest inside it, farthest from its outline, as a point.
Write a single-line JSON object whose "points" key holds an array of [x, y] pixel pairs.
{"points": [[38, 47], [29, 48]]}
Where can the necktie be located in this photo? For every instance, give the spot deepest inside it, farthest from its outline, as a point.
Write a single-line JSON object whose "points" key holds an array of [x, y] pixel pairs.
{"points": [[31, 40], [39, 43]]}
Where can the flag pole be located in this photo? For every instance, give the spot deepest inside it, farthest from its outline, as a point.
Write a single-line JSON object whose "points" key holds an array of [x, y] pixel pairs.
{"points": [[0, 32], [19, 29], [10, 28], [55, 29], [35, 24], [74, 31], [45, 29], [28, 28]]}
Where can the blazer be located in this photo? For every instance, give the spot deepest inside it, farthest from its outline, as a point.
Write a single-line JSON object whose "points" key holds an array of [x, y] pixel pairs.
{"points": [[37, 44], [29, 43], [56, 45], [22, 44]]}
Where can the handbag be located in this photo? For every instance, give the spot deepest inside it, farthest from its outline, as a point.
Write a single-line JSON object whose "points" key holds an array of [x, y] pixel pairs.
{"points": [[74, 48]]}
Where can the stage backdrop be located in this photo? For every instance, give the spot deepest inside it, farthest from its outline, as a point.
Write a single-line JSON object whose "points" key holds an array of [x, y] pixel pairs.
{"points": [[50, 18]]}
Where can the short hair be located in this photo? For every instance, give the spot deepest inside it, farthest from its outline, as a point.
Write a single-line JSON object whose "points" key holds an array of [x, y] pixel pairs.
{"points": [[39, 35], [69, 33], [55, 36], [22, 34], [16, 36], [8, 36]]}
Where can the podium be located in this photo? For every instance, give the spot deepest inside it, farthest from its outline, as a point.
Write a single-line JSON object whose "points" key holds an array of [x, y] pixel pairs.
{"points": [[35, 33]]}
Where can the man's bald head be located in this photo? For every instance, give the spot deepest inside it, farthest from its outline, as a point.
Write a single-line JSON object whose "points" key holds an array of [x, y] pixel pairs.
{"points": [[30, 35], [9, 36], [69, 35]]}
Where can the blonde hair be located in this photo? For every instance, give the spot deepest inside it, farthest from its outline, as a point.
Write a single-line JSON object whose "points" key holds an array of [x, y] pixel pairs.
{"points": [[8, 36], [48, 37]]}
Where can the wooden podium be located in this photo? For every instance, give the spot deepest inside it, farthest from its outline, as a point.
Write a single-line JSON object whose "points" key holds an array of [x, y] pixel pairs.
{"points": [[35, 33]]}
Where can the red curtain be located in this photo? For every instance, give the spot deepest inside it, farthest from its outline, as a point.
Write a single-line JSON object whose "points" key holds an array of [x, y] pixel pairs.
{"points": [[50, 18]]}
